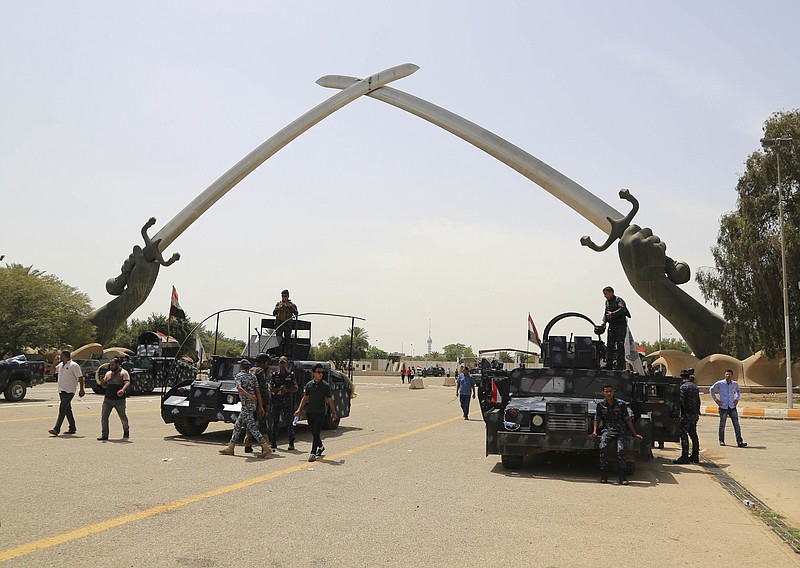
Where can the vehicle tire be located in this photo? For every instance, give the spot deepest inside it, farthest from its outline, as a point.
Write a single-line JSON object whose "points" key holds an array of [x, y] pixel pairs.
{"points": [[630, 468], [15, 391], [511, 462], [99, 390], [191, 425]]}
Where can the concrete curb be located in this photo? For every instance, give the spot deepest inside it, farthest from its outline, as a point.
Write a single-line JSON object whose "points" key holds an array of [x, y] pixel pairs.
{"points": [[754, 412]]}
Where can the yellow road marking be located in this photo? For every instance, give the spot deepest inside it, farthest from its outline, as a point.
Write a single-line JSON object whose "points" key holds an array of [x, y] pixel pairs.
{"points": [[103, 526]]}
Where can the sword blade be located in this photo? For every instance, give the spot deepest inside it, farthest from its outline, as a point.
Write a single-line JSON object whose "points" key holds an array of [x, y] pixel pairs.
{"points": [[588, 205], [246, 165]]}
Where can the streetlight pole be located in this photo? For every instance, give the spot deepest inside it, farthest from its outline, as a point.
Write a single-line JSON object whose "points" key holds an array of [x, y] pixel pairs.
{"points": [[773, 143]]}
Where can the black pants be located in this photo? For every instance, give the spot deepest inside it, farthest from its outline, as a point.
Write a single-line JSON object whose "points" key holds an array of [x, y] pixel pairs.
{"points": [[315, 421], [689, 430], [615, 348], [284, 332], [608, 439], [282, 409], [65, 411]]}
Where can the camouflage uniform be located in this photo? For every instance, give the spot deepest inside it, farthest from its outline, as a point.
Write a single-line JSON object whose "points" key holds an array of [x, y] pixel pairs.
{"points": [[283, 405], [690, 414], [615, 418], [284, 313], [247, 417], [617, 332]]}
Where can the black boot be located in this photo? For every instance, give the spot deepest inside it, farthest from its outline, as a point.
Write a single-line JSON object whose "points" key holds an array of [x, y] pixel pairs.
{"points": [[695, 457], [622, 479], [682, 460], [603, 476]]}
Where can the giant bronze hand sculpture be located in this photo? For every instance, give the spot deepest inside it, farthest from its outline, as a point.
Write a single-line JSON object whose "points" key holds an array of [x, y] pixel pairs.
{"points": [[643, 257], [135, 281]]}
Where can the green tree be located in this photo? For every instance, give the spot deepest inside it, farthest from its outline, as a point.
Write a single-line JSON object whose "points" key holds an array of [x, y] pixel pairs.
{"points": [[127, 335], [747, 282], [453, 351], [505, 357], [39, 310], [375, 353], [337, 349], [670, 343]]}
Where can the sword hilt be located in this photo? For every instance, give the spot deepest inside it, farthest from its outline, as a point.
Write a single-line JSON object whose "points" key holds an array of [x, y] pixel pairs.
{"points": [[618, 226], [677, 272]]}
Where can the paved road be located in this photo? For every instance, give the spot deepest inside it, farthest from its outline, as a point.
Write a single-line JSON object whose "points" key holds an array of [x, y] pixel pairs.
{"points": [[405, 482]]}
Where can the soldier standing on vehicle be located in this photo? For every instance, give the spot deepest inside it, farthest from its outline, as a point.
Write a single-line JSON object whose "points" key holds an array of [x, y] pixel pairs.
{"points": [[615, 315], [247, 385], [616, 421], [263, 406], [283, 387], [116, 382], [464, 385], [315, 395], [690, 414], [284, 311], [69, 377]]}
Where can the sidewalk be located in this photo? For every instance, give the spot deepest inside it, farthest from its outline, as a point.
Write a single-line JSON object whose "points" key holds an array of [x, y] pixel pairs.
{"points": [[754, 406], [755, 412]]}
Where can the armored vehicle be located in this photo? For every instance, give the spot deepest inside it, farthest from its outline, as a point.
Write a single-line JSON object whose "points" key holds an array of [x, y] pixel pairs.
{"points": [[17, 375], [192, 404], [528, 411], [153, 366]]}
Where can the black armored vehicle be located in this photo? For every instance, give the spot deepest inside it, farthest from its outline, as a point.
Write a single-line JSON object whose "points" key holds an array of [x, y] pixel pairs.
{"points": [[18, 374], [533, 410], [192, 404], [154, 365]]}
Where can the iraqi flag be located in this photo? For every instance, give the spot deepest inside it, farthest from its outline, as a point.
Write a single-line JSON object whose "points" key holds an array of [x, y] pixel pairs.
{"points": [[496, 395], [198, 345], [632, 354], [533, 333], [175, 310]]}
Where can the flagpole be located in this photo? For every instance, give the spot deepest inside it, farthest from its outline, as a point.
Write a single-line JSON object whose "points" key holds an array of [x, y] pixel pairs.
{"points": [[169, 312]]}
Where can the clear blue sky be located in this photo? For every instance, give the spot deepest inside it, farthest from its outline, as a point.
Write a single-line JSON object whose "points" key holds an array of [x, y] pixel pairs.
{"points": [[113, 113]]}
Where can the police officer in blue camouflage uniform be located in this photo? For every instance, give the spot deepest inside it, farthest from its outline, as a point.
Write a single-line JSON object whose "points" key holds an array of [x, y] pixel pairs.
{"points": [[616, 316], [264, 400], [690, 414], [283, 387], [616, 420], [247, 386]]}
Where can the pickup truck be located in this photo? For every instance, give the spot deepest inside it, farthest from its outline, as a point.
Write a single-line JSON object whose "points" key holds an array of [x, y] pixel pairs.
{"points": [[17, 375]]}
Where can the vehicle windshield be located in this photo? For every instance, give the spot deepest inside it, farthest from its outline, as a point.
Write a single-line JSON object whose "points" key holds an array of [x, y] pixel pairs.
{"points": [[540, 385]]}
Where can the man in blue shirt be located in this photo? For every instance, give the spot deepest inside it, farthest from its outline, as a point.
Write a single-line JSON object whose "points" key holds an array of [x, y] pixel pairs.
{"points": [[464, 385], [725, 393]]}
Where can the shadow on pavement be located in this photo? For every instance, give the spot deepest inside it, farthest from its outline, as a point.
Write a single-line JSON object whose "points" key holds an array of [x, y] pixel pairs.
{"points": [[301, 433]]}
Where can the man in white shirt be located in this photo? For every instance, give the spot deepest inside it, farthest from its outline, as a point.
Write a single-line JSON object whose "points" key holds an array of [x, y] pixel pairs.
{"points": [[69, 377], [725, 393]]}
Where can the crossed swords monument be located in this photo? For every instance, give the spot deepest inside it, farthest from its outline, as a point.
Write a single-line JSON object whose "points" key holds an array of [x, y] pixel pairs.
{"points": [[651, 273]]}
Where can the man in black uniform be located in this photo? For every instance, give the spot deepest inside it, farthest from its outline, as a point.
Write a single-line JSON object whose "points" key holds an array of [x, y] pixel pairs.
{"points": [[283, 386], [616, 316], [263, 405], [315, 395], [690, 414], [616, 420]]}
